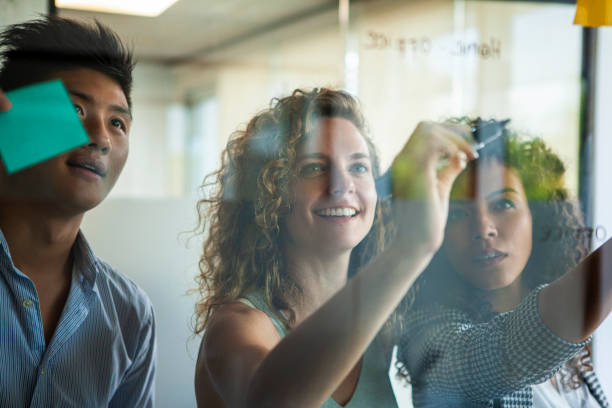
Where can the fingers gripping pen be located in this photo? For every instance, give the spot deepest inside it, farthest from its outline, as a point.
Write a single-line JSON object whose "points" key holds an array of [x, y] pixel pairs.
{"points": [[483, 134]]}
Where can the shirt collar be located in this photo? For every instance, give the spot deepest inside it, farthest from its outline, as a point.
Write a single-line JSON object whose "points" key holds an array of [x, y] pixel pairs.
{"points": [[84, 260], [4, 245]]}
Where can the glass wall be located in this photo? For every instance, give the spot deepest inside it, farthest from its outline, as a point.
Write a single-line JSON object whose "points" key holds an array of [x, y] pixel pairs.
{"points": [[406, 61]]}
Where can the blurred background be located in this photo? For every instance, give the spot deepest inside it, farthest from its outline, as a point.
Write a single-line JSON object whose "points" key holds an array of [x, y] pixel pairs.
{"points": [[206, 67]]}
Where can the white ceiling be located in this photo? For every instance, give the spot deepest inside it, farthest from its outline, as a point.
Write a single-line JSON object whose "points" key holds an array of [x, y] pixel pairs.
{"points": [[193, 28]]}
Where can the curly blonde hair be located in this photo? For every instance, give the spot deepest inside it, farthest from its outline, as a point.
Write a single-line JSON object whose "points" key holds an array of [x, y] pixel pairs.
{"points": [[244, 216]]}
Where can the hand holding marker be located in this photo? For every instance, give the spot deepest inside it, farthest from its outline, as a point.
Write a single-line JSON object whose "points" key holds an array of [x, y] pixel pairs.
{"points": [[483, 134]]}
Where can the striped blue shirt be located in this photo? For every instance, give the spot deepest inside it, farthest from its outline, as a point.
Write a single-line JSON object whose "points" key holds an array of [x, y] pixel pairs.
{"points": [[102, 352]]}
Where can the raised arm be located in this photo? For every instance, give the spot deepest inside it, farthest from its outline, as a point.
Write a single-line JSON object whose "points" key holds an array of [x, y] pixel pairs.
{"points": [[516, 349], [576, 304], [454, 360], [249, 364]]}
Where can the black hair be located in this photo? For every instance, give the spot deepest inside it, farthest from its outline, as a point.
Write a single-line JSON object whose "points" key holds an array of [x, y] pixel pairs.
{"points": [[33, 51]]}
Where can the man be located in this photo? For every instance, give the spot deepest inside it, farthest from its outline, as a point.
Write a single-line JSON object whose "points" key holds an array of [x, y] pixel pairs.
{"points": [[73, 332]]}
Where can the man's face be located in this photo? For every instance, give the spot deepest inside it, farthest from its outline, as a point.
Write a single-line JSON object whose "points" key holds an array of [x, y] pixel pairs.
{"points": [[80, 179]]}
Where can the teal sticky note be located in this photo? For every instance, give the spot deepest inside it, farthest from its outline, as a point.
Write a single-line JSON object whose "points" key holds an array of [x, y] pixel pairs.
{"points": [[41, 124]]}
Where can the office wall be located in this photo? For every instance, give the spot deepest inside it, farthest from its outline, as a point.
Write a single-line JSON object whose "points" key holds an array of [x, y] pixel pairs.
{"points": [[142, 239], [149, 171], [15, 11]]}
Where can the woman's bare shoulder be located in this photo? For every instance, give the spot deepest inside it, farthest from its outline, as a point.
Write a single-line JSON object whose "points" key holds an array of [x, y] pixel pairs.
{"points": [[237, 320], [236, 340]]}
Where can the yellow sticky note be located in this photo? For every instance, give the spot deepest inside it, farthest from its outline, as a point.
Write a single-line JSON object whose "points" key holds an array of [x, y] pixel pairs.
{"points": [[593, 13]]}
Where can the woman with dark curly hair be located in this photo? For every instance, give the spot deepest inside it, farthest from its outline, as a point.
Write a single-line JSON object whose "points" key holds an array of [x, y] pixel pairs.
{"points": [[481, 329], [294, 282]]}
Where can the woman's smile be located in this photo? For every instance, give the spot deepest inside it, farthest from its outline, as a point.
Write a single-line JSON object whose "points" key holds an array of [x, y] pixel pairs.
{"points": [[337, 212]]}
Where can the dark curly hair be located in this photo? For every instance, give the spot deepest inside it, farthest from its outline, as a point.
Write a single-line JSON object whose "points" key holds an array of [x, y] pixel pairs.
{"points": [[244, 216], [560, 239]]}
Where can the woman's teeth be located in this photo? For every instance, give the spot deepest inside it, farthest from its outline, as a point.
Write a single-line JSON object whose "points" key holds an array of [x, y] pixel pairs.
{"points": [[336, 212]]}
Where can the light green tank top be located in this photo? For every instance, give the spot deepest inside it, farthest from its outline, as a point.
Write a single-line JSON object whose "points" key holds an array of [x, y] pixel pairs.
{"points": [[373, 387]]}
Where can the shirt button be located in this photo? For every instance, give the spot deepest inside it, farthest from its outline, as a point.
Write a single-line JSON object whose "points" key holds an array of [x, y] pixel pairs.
{"points": [[42, 370], [27, 303]]}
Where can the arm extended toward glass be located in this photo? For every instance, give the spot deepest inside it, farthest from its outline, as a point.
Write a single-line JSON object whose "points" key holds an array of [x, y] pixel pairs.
{"points": [[576, 304]]}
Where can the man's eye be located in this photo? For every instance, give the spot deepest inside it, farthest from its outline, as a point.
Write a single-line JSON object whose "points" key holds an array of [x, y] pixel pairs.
{"points": [[360, 168], [79, 110], [118, 124]]}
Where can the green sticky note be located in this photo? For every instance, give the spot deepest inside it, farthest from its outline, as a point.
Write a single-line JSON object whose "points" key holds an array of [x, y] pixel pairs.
{"points": [[41, 124]]}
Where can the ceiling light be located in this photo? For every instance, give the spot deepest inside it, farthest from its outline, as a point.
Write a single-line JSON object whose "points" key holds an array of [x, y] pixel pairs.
{"points": [[148, 8]]}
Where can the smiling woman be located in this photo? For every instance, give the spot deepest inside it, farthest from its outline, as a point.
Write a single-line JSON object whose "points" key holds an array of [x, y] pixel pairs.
{"points": [[294, 281], [288, 157], [298, 185]]}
